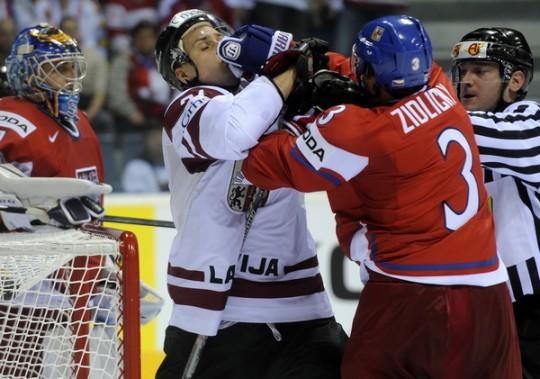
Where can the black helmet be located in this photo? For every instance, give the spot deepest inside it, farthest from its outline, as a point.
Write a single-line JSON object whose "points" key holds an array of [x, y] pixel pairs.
{"points": [[169, 50], [505, 46]]}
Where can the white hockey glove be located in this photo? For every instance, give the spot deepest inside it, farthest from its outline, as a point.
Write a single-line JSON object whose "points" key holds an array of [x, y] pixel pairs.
{"points": [[151, 303], [64, 202], [105, 300], [13, 214], [44, 193]]}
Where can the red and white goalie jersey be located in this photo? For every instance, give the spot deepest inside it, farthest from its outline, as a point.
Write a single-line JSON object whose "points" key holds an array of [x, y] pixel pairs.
{"points": [[404, 182], [38, 145], [214, 275]]}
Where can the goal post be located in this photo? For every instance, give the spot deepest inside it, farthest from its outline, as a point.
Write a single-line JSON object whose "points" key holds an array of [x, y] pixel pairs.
{"points": [[69, 304]]}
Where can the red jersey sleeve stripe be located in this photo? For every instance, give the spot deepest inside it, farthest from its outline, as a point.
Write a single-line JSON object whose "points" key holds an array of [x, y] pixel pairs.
{"points": [[183, 273], [200, 298], [285, 288]]}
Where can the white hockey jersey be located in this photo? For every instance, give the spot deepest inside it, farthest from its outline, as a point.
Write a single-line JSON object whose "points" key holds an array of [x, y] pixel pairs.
{"points": [[508, 143], [216, 273]]}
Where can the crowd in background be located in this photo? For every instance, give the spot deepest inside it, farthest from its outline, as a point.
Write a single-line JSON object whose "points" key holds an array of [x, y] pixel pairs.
{"points": [[123, 93]]}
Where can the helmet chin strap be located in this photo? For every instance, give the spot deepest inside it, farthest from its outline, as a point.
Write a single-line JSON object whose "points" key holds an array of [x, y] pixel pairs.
{"points": [[196, 82]]}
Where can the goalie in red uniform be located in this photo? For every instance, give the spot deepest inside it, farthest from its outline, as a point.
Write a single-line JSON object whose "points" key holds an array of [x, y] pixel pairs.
{"points": [[403, 177], [43, 134]]}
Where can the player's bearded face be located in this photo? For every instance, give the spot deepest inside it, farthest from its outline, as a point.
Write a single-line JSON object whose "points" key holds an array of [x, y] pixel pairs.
{"points": [[480, 85], [201, 44]]}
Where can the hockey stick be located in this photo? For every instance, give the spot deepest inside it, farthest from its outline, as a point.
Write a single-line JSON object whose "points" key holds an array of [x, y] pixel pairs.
{"points": [[194, 357], [138, 221], [106, 218]]}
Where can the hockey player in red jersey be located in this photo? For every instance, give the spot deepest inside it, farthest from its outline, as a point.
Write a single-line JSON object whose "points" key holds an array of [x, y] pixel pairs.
{"points": [[404, 180], [42, 133]]}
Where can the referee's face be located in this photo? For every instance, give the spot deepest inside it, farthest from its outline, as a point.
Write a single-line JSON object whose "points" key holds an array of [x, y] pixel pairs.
{"points": [[480, 86]]}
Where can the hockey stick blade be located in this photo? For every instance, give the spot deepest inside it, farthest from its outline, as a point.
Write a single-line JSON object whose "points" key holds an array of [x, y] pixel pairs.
{"points": [[138, 221]]}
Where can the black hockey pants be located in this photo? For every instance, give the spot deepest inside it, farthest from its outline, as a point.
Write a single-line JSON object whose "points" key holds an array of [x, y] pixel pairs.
{"points": [[309, 349]]}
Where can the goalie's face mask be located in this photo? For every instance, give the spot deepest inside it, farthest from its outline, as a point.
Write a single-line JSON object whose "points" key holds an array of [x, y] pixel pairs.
{"points": [[479, 86], [200, 45], [46, 66]]}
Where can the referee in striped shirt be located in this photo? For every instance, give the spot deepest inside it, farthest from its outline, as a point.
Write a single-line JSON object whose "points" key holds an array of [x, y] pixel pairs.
{"points": [[492, 68]]}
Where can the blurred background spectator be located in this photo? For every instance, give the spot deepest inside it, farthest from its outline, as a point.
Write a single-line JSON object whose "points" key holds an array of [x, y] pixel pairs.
{"points": [[92, 98], [302, 18], [8, 32], [168, 8], [123, 15], [125, 97], [358, 12], [88, 14], [138, 95], [147, 173]]}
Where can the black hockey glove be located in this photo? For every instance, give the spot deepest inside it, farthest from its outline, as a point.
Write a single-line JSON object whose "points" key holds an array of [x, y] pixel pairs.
{"points": [[331, 88], [311, 60], [75, 211]]}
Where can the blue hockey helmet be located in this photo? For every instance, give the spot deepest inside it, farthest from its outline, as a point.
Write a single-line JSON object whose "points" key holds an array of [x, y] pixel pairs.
{"points": [[47, 66], [397, 48]]}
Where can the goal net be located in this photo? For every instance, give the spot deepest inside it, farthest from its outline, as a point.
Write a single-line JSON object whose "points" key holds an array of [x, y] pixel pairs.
{"points": [[69, 304]]}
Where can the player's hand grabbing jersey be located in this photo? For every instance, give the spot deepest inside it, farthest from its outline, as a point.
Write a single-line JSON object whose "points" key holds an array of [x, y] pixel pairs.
{"points": [[404, 181]]}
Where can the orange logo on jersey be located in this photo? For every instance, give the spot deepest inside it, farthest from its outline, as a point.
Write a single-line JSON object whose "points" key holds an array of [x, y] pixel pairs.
{"points": [[474, 49]]}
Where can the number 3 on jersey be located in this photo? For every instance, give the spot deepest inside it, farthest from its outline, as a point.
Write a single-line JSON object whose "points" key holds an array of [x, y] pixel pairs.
{"points": [[453, 219]]}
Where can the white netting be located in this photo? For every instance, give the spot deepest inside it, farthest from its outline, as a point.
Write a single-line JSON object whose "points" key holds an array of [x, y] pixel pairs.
{"points": [[60, 305]]}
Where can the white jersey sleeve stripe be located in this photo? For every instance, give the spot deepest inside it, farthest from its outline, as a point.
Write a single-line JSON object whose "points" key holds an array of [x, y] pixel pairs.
{"points": [[323, 155]]}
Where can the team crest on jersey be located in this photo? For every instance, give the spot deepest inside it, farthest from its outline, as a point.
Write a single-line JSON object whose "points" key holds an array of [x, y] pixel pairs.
{"points": [[241, 197], [377, 34], [87, 173]]}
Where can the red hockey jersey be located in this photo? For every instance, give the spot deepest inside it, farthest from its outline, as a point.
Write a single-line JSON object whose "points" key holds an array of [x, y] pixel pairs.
{"points": [[39, 146], [404, 182]]}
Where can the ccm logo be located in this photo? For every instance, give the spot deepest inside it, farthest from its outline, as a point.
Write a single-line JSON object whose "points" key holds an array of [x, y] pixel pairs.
{"points": [[231, 50]]}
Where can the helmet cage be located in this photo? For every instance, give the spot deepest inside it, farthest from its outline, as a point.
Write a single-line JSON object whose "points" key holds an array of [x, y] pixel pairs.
{"points": [[45, 60], [58, 74]]}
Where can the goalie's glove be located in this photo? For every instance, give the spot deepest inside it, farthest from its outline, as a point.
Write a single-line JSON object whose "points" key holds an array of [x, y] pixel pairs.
{"points": [[249, 47], [75, 211]]}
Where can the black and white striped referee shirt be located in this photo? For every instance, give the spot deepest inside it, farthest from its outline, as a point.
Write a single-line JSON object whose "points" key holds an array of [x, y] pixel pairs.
{"points": [[509, 145]]}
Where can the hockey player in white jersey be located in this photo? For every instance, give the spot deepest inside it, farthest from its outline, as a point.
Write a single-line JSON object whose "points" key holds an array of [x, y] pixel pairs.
{"points": [[492, 68], [243, 267]]}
